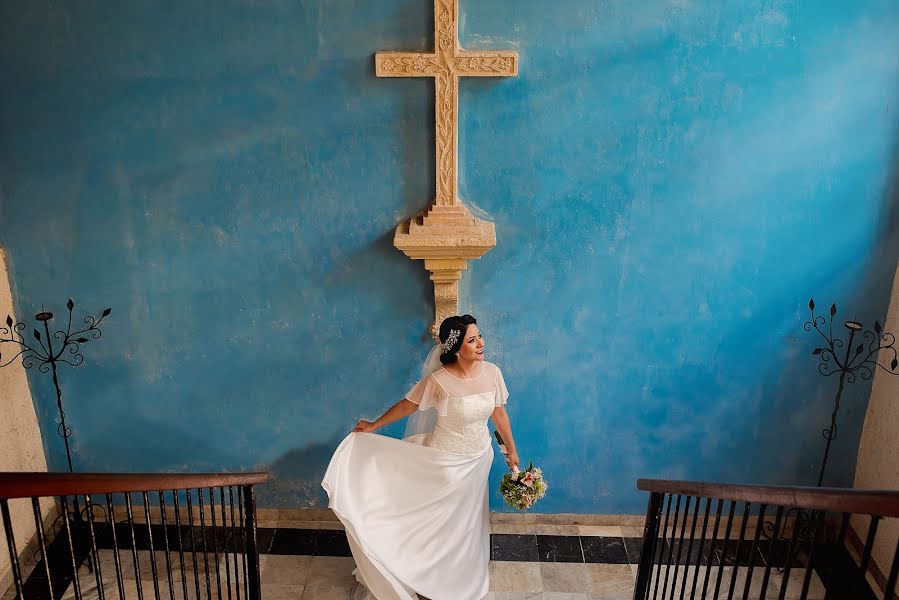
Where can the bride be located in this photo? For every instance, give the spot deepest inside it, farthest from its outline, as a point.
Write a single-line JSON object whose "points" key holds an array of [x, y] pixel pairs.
{"points": [[416, 510]]}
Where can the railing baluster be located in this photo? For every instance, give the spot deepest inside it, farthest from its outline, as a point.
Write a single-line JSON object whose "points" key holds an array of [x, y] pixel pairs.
{"points": [[753, 552], [705, 524], [708, 568], [806, 532], [234, 544], [818, 518], [97, 569], [11, 546], [866, 555], [772, 545], [152, 548], [243, 531], [724, 543], [740, 540], [661, 550], [65, 512], [890, 588], [205, 545], [252, 551], [115, 547], [165, 535], [193, 541], [680, 549], [650, 539], [215, 543], [41, 536], [788, 560], [649, 545], [671, 549], [683, 587], [134, 553], [79, 499], [225, 542], [834, 559], [180, 544]]}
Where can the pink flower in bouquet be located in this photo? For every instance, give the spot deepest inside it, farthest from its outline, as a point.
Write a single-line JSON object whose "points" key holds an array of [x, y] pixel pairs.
{"points": [[528, 479]]}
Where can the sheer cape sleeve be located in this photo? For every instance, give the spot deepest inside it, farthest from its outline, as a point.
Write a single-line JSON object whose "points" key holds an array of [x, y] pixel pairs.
{"points": [[428, 394], [502, 393]]}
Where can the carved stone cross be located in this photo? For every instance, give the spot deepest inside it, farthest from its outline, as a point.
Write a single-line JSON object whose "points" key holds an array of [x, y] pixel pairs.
{"points": [[446, 235]]}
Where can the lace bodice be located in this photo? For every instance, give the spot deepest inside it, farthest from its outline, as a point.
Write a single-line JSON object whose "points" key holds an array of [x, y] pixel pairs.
{"points": [[463, 407]]}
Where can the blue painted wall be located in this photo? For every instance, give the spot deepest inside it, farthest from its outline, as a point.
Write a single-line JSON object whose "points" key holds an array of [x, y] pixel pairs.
{"points": [[670, 182]]}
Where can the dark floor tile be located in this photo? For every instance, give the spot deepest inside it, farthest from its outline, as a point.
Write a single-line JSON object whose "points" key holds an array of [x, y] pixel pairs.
{"points": [[332, 542], [264, 536], [609, 550], [561, 548], [504, 546], [632, 545], [776, 553], [747, 554], [689, 552], [293, 541]]}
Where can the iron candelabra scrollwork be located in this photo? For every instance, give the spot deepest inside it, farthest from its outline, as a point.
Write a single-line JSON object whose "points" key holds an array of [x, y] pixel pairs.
{"points": [[859, 356], [857, 361], [42, 353]]}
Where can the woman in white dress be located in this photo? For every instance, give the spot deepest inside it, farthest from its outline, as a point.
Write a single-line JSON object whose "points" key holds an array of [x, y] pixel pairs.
{"points": [[416, 510]]}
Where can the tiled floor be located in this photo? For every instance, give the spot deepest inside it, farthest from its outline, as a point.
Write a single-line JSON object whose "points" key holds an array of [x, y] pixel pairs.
{"points": [[295, 577], [550, 562]]}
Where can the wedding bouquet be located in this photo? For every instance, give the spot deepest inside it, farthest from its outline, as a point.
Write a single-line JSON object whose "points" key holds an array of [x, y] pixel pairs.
{"points": [[521, 489]]}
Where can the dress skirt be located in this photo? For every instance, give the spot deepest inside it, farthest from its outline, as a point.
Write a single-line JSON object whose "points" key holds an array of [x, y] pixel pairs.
{"points": [[417, 518]]}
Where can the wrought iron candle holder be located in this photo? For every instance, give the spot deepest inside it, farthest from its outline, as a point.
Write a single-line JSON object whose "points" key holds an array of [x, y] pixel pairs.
{"points": [[857, 360], [850, 360], [46, 357]]}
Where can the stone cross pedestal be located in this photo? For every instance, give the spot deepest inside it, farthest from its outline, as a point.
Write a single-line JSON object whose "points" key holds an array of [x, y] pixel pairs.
{"points": [[446, 235]]}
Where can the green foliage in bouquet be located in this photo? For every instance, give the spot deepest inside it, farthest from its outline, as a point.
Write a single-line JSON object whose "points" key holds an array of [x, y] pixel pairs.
{"points": [[521, 489]]}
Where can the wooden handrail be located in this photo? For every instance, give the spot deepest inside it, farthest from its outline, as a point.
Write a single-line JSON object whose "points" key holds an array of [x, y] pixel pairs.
{"points": [[39, 485], [884, 503]]}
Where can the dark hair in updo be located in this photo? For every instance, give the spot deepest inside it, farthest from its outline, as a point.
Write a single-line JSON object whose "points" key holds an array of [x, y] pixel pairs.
{"points": [[460, 324]]}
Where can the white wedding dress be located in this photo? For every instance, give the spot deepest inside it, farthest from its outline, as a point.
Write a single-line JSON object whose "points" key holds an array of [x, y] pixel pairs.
{"points": [[416, 510]]}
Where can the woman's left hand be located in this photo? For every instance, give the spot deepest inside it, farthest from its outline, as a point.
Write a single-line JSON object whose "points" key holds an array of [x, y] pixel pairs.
{"points": [[512, 460]]}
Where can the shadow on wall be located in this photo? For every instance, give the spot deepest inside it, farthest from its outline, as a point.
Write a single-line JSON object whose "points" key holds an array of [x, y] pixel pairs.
{"points": [[296, 477]]}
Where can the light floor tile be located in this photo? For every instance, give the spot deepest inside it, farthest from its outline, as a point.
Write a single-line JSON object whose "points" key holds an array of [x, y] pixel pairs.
{"points": [[284, 570], [611, 582], [282, 592], [514, 528], [546, 529], [601, 530], [816, 588], [295, 524], [267, 524], [328, 589], [514, 518], [516, 577], [332, 567], [565, 577]]}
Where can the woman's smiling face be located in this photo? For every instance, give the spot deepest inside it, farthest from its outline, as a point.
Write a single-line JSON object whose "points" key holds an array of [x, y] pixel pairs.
{"points": [[472, 345]]}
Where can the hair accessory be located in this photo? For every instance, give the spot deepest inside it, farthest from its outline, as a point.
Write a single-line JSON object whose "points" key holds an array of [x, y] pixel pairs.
{"points": [[451, 340]]}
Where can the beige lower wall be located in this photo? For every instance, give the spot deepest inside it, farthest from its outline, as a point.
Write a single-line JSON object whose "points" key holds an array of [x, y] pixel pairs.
{"points": [[878, 453], [21, 447]]}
